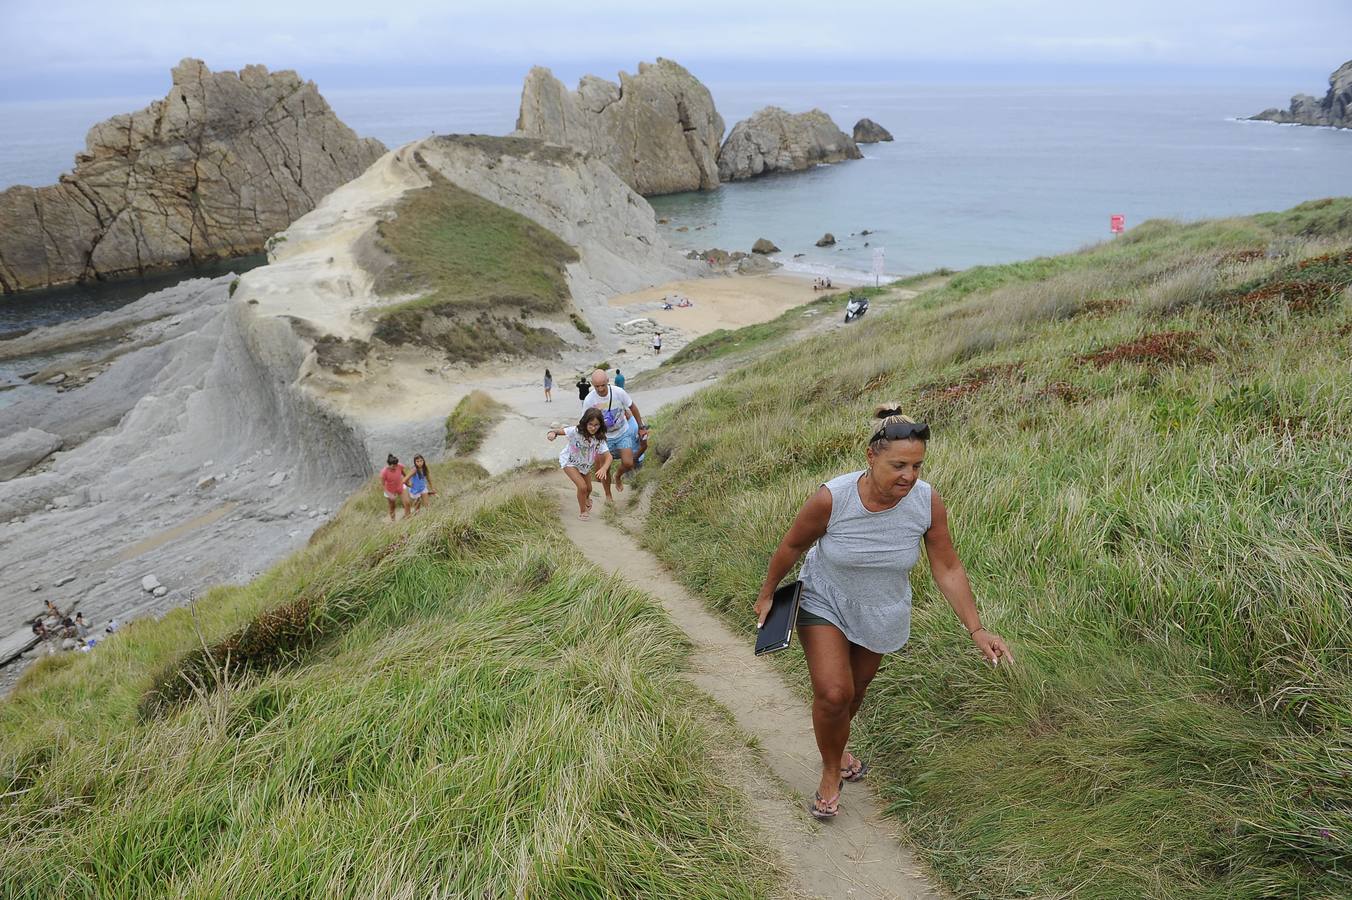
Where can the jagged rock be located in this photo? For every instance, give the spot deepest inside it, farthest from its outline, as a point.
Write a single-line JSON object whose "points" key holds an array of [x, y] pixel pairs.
{"points": [[276, 479], [756, 265], [1334, 110], [21, 451], [826, 240], [205, 483], [867, 131], [35, 587], [764, 247], [658, 129], [773, 140], [221, 163], [150, 583]]}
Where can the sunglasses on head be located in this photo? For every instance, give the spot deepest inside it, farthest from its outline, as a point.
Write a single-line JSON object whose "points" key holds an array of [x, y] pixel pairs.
{"points": [[900, 431]]}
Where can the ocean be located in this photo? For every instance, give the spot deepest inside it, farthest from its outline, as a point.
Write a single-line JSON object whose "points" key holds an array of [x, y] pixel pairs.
{"points": [[977, 174]]}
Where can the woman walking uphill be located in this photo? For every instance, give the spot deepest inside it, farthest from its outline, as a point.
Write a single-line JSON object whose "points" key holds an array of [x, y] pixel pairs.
{"points": [[867, 527]]}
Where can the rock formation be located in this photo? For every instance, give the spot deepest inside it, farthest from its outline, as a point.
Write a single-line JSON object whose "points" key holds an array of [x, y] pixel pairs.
{"points": [[867, 131], [764, 246], [220, 164], [773, 140], [658, 129], [1334, 110], [826, 240]]}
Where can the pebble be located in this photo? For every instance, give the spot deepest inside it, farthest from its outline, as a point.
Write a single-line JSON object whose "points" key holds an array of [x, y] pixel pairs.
{"points": [[149, 583], [57, 378], [64, 580], [208, 464], [303, 507], [204, 483], [313, 513], [160, 591], [35, 587], [276, 479]]}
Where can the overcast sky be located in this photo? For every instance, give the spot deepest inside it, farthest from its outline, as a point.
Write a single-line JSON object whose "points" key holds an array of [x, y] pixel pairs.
{"points": [[84, 48]]}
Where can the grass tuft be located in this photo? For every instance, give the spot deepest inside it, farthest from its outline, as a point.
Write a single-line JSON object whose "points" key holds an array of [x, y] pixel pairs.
{"points": [[471, 420]]}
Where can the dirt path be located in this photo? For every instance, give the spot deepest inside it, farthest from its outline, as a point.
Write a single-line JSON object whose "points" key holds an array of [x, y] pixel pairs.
{"points": [[856, 855]]}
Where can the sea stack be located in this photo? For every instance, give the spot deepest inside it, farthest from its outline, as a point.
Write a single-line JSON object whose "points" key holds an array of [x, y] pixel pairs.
{"points": [[214, 169], [1335, 110], [867, 131], [774, 140], [658, 129]]}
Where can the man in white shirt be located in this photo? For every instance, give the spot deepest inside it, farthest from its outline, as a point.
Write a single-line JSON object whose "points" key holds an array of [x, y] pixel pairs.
{"points": [[623, 423]]}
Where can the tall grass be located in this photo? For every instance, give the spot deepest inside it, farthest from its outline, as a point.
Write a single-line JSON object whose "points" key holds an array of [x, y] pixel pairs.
{"points": [[469, 422], [494, 719], [1145, 448]]}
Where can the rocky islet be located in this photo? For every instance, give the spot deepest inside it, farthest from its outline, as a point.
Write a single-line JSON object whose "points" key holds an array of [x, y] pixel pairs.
{"points": [[775, 140]]}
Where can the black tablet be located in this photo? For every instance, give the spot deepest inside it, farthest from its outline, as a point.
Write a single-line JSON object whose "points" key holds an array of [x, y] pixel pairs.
{"points": [[777, 632]]}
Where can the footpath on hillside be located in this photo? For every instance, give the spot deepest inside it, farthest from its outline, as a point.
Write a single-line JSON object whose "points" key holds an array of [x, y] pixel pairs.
{"points": [[855, 855]]}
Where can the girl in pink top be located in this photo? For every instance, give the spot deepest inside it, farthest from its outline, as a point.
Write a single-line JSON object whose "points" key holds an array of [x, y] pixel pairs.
{"points": [[392, 481]]}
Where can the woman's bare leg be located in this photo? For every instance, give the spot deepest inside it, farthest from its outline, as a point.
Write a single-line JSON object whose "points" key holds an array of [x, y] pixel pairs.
{"points": [[391, 503], [828, 661]]}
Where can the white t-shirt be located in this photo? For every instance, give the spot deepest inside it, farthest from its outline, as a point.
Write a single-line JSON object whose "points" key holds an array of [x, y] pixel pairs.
{"points": [[614, 406], [581, 452]]}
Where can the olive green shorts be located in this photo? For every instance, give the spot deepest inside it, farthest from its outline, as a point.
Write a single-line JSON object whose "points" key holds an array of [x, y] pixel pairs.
{"points": [[807, 618]]}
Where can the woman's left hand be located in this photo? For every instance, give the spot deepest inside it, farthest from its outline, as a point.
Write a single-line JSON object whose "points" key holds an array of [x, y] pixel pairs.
{"points": [[993, 647]]}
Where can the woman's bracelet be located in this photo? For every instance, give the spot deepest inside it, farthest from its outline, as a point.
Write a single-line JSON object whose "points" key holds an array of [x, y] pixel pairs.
{"points": [[978, 628]]}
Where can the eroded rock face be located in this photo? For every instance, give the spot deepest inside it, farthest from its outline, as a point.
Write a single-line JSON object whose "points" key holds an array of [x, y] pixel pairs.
{"points": [[1334, 110], [220, 164], [774, 140], [658, 129], [867, 131]]}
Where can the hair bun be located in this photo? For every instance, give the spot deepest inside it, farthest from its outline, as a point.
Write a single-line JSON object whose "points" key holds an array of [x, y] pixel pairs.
{"points": [[887, 410]]}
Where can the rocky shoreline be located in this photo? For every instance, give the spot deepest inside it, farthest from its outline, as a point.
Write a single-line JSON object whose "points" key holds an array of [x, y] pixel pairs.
{"points": [[1333, 111]]}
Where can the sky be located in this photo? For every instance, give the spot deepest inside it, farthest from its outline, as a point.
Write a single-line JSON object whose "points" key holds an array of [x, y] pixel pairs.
{"points": [[91, 48]]}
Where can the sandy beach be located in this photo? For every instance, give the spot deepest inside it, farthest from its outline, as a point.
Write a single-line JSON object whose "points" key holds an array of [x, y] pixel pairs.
{"points": [[732, 301]]}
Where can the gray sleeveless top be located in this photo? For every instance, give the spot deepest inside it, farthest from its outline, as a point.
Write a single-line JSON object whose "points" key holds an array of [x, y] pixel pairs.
{"points": [[857, 575]]}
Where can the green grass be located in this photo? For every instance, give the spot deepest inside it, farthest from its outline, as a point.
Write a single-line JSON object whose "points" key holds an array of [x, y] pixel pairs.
{"points": [[470, 421], [1145, 450], [475, 712], [476, 269]]}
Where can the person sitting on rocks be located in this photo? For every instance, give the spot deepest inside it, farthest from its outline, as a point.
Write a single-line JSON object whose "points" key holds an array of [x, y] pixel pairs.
{"points": [[81, 626]]}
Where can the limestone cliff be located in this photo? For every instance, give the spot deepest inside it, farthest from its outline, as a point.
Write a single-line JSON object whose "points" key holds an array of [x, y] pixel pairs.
{"points": [[658, 129], [220, 164], [773, 140], [1334, 110]]}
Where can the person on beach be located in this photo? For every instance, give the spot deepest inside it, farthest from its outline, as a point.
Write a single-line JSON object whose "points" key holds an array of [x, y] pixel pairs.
{"points": [[549, 387], [586, 454], [392, 481], [582, 387], [657, 342], [619, 379], [862, 533], [619, 409], [419, 483]]}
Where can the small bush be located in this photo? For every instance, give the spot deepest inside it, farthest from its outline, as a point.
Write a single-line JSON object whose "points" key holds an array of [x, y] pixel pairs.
{"points": [[579, 323]]}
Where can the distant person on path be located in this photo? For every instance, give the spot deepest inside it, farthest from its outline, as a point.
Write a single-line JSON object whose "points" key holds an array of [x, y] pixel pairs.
{"points": [[862, 533], [582, 387], [617, 407], [619, 378], [419, 483], [392, 481], [585, 454], [549, 387], [657, 342]]}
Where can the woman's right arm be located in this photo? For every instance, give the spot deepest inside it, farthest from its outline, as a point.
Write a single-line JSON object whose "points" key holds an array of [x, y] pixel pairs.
{"points": [[809, 525]]}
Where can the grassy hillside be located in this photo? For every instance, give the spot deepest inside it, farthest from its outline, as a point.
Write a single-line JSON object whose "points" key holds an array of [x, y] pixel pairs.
{"points": [[1146, 450], [453, 706], [477, 269]]}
